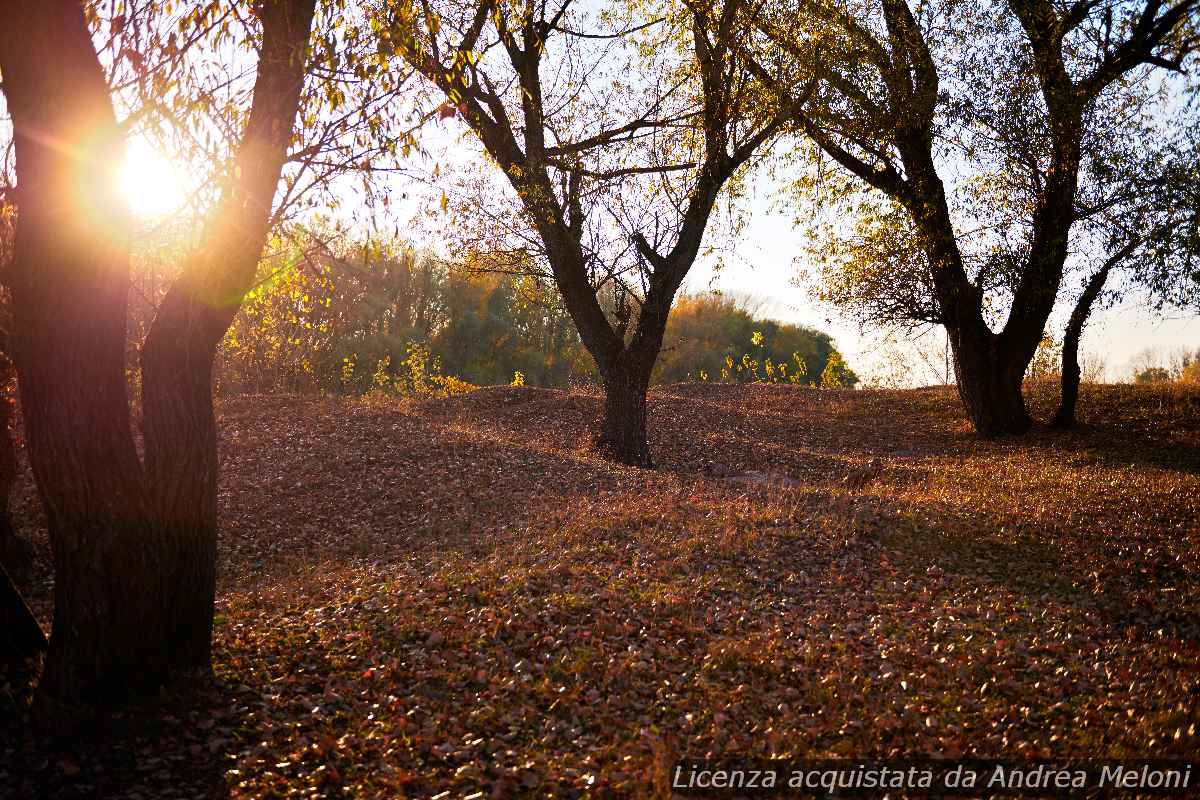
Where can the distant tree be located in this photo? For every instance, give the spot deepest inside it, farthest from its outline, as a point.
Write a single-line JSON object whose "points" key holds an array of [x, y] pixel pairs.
{"points": [[836, 374], [906, 93], [498, 325], [611, 203], [1153, 375], [318, 301], [1190, 373], [325, 314], [708, 334]]}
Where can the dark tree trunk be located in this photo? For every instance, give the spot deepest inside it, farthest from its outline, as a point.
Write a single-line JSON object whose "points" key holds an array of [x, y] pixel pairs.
{"points": [[1064, 418], [181, 460], [989, 383], [988, 367], [69, 280], [622, 434]]}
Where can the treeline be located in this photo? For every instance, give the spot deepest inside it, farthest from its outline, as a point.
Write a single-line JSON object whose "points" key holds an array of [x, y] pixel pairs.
{"points": [[720, 338], [383, 316]]}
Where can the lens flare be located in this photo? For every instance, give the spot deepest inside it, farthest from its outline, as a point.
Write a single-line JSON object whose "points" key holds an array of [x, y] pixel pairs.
{"points": [[153, 185]]}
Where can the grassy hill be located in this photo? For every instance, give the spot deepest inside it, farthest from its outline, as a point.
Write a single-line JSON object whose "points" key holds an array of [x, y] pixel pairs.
{"points": [[455, 596]]}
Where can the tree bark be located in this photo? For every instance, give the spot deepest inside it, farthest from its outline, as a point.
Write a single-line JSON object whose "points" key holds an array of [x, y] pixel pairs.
{"points": [[989, 385], [1064, 418], [622, 434], [69, 280], [182, 464]]}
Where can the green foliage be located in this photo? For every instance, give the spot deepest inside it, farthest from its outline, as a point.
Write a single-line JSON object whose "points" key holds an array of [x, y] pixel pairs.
{"points": [[380, 317], [371, 317], [499, 325], [712, 337], [874, 269], [1153, 375], [836, 374]]}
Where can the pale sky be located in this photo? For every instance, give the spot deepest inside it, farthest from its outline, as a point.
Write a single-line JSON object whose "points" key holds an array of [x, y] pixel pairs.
{"points": [[766, 268]]}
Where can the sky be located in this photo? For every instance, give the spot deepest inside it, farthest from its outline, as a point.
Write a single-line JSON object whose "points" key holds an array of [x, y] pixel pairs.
{"points": [[766, 269], [761, 265]]}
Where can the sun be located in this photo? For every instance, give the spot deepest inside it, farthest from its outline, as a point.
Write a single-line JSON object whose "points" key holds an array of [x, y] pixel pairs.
{"points": [[153, 185]]}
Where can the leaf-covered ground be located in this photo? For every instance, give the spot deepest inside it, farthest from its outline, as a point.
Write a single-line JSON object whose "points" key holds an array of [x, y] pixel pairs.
{"points": [[456, 599]]}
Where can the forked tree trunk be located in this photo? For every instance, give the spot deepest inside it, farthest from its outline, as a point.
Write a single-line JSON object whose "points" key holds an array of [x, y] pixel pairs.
{"points": [[622, 434], [1064, 418], [989, 384]]}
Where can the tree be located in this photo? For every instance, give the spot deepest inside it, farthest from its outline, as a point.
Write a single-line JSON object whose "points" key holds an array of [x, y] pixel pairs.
{"points": [[654, 179], [68, 279], [1190, 373], [901, 95], [134, 545], [1138, 214], [177, 357], [1153, 375], [708, 335], [836, 374]]}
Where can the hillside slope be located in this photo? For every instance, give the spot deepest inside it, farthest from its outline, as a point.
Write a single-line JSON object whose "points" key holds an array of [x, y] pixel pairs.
{"points": [[456, 596]]}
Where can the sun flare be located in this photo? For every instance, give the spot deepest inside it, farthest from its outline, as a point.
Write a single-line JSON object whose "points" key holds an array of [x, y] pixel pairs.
{"points": [[153, 185]]}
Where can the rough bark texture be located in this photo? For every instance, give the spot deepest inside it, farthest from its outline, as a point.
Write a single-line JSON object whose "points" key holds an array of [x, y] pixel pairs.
{"points": [[134, 551], [177, 359], [1065, 416], [69, 280], [989, 385], [623, 436]]}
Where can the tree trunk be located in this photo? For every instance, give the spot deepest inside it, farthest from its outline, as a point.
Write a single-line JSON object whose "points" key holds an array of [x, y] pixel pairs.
{"points": [[69, 280], [1064, 418], [989, 385], [181, 461], [623, 432]]}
